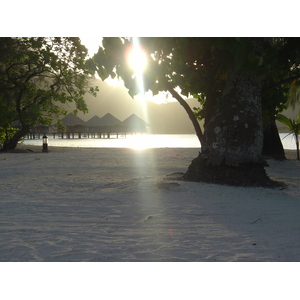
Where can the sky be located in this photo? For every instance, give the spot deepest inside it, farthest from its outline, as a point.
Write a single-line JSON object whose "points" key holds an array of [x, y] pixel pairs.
{"points": [[92, 43]]}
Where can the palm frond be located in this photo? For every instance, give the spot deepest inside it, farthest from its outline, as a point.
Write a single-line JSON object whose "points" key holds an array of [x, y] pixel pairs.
{"points": [[285, 120]]}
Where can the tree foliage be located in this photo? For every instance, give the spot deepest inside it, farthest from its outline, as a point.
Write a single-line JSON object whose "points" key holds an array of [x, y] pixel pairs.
{"points": [[281, 74], [200, 66], [37, 75]]}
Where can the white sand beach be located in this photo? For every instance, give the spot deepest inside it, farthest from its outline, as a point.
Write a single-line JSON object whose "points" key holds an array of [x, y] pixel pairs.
{"points": [[125, 205]]}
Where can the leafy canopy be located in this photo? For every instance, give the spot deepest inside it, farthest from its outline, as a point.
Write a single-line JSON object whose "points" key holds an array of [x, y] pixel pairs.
{"points": [[37, 75], [200, 66]]}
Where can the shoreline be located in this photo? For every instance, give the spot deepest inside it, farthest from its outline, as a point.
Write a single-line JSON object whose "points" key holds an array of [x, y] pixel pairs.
{"points": [[291, 154]]}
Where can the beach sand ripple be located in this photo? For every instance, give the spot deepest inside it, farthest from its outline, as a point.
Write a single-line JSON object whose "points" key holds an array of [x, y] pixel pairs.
{"points": [[84, 204]]}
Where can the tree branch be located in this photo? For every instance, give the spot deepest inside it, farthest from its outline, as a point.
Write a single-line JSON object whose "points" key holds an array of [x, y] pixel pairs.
{"points": [[189, 111], [286, 80]]}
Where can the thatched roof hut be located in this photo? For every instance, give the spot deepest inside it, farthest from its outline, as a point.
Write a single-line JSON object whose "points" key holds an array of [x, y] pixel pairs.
{"points": [[39, 128], [73, 123], [72, 120], [135, 124], [109, 121], [95, 121]]}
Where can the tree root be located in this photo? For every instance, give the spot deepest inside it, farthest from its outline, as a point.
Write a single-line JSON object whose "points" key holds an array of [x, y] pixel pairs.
{"points": [[246, 175]]}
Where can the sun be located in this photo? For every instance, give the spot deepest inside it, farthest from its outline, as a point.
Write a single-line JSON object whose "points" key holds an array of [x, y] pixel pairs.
{"points": [[137, 58]]}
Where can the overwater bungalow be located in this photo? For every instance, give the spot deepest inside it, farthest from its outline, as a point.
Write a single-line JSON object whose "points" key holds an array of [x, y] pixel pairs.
{"points": [[106, 125], [73, 125], [39, 130], [96, 127], [134, 124]]}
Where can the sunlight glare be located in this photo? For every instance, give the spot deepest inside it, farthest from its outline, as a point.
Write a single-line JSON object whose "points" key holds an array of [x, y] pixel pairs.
{"points": [[140, 142], [138, 61], [114, 82], [92, 43], [137, 58]]}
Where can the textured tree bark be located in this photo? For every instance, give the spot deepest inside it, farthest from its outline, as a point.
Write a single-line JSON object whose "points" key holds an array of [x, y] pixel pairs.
{"points": [[233, 139], [297, 146]]}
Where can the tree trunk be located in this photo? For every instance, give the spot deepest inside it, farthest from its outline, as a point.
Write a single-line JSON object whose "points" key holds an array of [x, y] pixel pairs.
{"points": [[272, 145], [13, 142], [297, 146], [233, 139], [234, 135]]}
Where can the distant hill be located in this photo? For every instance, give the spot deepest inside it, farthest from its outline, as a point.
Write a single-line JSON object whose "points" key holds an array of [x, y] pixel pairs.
{"points": [[166, 118]]}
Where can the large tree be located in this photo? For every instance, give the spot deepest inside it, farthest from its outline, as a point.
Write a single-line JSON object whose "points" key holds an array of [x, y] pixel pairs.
{"points": [[227, 76], [37, 75]]}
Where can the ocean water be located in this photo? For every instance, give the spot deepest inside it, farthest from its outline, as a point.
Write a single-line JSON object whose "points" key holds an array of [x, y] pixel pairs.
{"points": [[139, 141]]}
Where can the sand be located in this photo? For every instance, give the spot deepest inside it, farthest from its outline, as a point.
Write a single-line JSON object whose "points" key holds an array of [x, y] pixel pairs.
{"points": [[126, 205]]}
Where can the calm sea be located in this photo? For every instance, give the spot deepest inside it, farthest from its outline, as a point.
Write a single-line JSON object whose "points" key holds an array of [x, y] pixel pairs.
{"points": [[139, 141]]}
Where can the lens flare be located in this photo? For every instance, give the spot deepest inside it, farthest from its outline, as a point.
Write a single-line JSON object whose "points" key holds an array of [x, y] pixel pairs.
{"points": [[137, 60]]}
